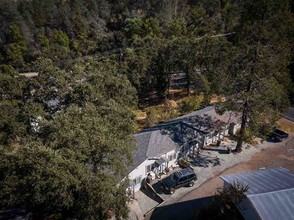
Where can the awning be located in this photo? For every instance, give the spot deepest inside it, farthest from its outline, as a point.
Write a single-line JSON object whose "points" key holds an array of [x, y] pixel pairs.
{"points": [[159, 162]]}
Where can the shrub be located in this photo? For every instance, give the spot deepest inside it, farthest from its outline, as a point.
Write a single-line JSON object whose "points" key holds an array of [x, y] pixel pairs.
{"points": [[184, 163], [191, 103]]}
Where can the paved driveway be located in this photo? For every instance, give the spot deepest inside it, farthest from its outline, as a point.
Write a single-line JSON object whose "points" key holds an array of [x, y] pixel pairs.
{"points": [[290, 114]]}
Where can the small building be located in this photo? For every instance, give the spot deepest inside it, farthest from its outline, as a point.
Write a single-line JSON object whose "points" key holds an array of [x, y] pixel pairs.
{"points": [[159, 147], [270, 195], [29, 74]]}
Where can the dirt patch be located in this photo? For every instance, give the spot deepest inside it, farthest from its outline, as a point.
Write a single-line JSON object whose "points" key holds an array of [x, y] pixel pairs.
{"points": [[282, 155], [286, 125]]}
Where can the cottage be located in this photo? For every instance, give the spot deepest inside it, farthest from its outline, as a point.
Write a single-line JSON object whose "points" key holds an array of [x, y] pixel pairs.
{"points": [[159, 147], [270, 195]]}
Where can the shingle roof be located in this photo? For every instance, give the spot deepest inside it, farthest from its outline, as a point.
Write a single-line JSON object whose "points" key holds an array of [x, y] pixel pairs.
{"points": [[271, 191], [140, 154], [168, 136], [160, 143]]}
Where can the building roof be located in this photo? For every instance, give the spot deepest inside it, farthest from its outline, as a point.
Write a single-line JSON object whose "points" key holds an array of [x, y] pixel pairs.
{"points": [[188, 129], [271, 191], [29, 74]]}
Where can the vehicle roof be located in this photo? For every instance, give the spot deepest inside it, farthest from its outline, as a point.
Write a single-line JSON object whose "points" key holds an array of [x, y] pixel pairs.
{"points": [[184, 172]]}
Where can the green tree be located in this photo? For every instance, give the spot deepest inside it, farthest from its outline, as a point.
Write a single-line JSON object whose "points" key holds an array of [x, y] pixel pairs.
{"points": [[68, 159], [253, 85], [11, 92], [17, 48]]}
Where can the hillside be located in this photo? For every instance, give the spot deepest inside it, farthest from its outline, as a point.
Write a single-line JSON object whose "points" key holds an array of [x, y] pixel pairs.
{"points": [[74, 74]]}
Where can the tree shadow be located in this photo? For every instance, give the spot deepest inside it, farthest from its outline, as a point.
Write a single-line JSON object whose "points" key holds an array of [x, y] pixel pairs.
{"points": [[14, 213], [220, 150], [182, 210], [205, 161], [189, 128]]}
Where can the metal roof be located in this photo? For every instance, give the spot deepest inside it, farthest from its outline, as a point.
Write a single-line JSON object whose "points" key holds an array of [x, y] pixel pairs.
{"points": [[29, 74], [277, 205], [271, 191], [263, 181]]}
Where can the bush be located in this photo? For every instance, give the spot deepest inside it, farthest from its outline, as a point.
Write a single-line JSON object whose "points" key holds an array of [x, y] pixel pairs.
{"points": [[223, 204], [191, 103], [248, 136], [151, 118], [184, 163]]}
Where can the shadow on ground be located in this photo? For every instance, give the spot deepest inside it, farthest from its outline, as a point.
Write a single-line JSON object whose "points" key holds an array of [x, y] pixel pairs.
{"points": [[220, 150], [15, 213], [182, 210], [151, 195], [159, 189], [205, 161]]}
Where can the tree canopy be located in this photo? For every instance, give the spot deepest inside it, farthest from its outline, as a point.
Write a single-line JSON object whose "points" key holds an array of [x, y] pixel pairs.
{"points": [[66, 135], [65, 140]]}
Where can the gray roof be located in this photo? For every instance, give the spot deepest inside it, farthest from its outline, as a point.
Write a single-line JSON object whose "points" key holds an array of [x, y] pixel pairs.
{"points": [[140, 154], [29, 74], [53, 103], [163, 138], [271, 191]]}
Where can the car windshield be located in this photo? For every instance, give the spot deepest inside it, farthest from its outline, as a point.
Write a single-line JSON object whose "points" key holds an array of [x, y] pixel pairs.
{"points": [[174, 177]]}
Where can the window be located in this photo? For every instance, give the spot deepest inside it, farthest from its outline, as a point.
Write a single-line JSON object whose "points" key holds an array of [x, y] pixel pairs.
{"points": [[172, 156], [137, 180], [183, 179], [149, 168]]}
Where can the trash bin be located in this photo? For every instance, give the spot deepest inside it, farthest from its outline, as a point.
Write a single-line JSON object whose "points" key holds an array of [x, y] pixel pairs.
{"points": [[229, 150], [149, 178]]}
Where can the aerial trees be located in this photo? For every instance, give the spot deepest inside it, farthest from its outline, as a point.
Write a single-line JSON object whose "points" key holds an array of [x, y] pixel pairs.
{"points": [[255, 81], [67, 141]]}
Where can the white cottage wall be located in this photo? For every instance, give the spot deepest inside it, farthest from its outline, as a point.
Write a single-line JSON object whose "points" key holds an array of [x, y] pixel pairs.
{"points": [[141, 172]]}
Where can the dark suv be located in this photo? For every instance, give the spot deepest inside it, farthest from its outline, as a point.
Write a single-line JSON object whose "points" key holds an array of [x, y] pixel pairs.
{"points": [[278, 135], [184, 177]]}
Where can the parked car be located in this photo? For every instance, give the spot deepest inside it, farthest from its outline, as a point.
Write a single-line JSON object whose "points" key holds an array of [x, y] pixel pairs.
{"points": [[184, 177], [278, 135]]}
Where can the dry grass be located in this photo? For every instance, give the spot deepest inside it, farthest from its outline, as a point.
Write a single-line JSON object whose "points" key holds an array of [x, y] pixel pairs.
{"points": [[215, 99], [286, 125], [140, 115]]}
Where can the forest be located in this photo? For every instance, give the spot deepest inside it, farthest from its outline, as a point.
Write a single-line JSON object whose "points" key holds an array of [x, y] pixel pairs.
{"points": [[66, 135]]}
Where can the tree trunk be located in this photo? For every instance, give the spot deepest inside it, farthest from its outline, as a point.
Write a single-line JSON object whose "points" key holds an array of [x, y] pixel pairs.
{"points": [[188, 90], [188, 82], [242, 129], [243, 121]]}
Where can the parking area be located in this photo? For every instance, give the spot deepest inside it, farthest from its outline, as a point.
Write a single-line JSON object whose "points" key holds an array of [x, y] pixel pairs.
{"points": [[210, 162], [214, 160], [205, 164]]}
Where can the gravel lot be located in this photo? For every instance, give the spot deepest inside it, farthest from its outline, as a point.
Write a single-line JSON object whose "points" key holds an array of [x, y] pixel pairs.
{"points": [[268, 155], [210, 163]]}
